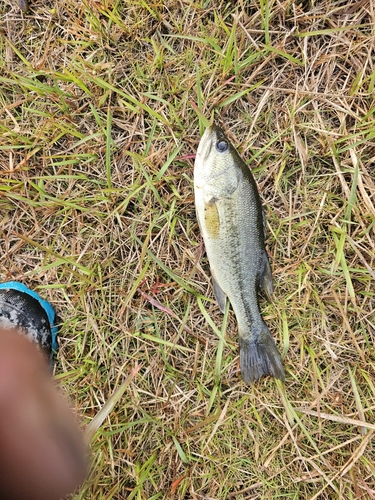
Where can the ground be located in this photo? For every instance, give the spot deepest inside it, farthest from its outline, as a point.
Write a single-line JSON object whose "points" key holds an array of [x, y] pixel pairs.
{"points": [[102, 107]]}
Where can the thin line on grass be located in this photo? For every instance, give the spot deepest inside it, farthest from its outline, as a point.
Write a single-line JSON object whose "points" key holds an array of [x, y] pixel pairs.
{"points": [[104, 412], [337, 418]]}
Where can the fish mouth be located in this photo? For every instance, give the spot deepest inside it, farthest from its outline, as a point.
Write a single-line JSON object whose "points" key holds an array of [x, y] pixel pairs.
{"points": [[206, 142]]}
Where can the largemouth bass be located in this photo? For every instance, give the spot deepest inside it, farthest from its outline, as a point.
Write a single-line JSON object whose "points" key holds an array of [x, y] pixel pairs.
{"points": [[232, 222]]}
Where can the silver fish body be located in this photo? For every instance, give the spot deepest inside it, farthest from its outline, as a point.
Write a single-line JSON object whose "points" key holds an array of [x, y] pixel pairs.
{"points": [[232, 223], [24, 5]]}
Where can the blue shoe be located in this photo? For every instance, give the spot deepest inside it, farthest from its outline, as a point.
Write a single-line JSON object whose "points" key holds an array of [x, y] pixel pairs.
{"points": [[21, 307]]}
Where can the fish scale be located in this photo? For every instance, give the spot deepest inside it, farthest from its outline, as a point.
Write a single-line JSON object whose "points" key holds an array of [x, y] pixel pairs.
{"points": [[232, 223]]}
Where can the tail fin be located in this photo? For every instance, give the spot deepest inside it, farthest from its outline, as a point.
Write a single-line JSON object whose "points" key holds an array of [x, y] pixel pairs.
{"points": [[259, 356]]}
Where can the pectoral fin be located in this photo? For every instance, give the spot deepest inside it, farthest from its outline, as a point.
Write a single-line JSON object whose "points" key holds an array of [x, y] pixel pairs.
{"points": [[265, 275], [220, 296]]}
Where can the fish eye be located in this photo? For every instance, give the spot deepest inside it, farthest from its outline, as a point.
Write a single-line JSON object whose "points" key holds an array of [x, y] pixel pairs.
{"points": [[221, 146]]}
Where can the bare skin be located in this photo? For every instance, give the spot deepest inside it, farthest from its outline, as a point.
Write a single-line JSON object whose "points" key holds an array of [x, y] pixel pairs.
{"points": [[42, 454]]}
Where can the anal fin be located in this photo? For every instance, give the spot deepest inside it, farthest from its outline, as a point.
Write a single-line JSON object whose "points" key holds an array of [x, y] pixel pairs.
{"points": [[265, 277], [220, 295]]}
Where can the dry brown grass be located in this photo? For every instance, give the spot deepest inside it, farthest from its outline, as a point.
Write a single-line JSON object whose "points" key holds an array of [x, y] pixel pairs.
{"points": [[96, 150]]}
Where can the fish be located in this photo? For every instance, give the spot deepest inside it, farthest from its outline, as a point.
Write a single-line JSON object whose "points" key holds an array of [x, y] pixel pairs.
{"points": [[24, 5], [233, 225]]}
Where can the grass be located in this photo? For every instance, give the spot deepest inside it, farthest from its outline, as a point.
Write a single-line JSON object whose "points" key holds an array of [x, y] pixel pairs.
{"points": [[101, 108]]}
